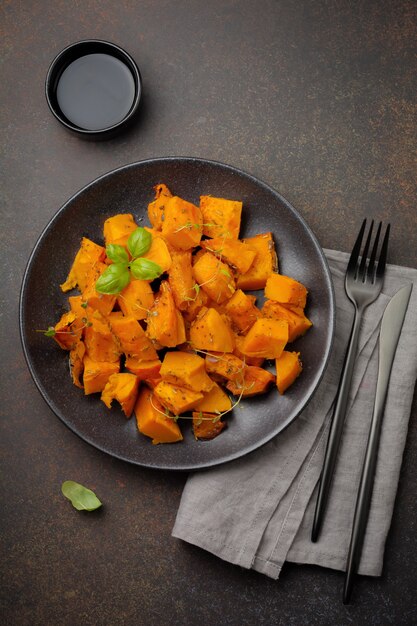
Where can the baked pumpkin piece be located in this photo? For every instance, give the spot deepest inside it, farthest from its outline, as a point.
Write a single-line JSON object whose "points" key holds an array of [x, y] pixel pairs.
{"points": [[118, 228], [207, 426], [181, 278], [256, 380], [123, 388], [182, 224], [157, 207], [175, 398], [97, 373], [263, 266], [76, 356], [151, 420], [100, 343], [159, 254], [221, 217], [285, 290], [242, 311], [136, 299], [68, 331], [131, 337], [87, 256], [267, 338], [214, 277], [165, 322], [233, 251], [298, 323], [186, 370], [209, 332], [214, 401], [225, 366], [101, 302], [144, 370], [288, 368]]}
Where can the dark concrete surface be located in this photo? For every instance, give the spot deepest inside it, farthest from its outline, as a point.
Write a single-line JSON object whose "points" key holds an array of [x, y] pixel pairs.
{"points": [[317, 99]]}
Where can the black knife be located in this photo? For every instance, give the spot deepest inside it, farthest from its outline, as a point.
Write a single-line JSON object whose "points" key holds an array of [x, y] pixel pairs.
{"points": [[391, 325]]}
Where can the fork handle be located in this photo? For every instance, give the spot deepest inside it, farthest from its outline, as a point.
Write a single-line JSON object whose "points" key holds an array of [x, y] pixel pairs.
{"points": [[336, 425]]}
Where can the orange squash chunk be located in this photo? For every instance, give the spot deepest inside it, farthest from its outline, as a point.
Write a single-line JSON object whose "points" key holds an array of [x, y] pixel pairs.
{"points": [[181, 278], [165, 323], [200, 300], [87, 256], [143, 369], [76, 363], [157, 207], [118, 228], [181, 226], [264, 265], [124, 389], [101, 302], [175, 398], [131, 337], [136, 299], [152, 422], [186, 370], [68, 331], [233, 251], [205, 428], [242, 311], [99, 341], [267, 338], [298, 323], [209, 332], [214, 400], [96, 374], [288, 367], [256, 381], [249, 360], [214, 277], [159, 254], [221, 217], [226, 366], [285, 290]]}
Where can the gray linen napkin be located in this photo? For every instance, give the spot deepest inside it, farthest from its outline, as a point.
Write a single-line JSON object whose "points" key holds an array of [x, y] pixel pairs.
{"points": [[257, 512]]}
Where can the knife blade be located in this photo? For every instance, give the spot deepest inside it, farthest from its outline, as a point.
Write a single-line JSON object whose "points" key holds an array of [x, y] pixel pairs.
{"points": [[391, 325]]}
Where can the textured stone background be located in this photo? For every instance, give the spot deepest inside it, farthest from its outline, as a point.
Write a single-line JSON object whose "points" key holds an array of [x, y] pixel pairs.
{"points": [[315, 98]]}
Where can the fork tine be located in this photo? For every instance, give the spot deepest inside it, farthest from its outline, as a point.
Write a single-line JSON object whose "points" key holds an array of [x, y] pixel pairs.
{"points": [[362, 267], [356, 249], [380, 270], [371, 266]]}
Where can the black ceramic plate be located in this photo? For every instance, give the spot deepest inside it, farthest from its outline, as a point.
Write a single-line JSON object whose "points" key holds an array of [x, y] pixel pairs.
{"points": [[129, 189]]}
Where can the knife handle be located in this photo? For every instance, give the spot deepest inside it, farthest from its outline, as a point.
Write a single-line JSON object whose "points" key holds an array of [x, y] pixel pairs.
{"points": [[363, 500]]}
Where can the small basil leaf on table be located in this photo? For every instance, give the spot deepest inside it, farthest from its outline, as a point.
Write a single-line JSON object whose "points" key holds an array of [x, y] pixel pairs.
{"points": [[117, 254], [139, 242], [144, 269], [114, 279], [81, 498]]}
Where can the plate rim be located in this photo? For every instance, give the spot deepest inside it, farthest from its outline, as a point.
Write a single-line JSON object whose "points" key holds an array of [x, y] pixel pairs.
{"points": [[222, 460]]}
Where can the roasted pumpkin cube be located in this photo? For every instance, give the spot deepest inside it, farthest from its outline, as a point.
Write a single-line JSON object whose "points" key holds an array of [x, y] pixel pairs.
{"points": [[76, 363], [157, 207], [200, 299], [87, 256], [118, 228], [256, 381], [68, 331], [298, 323], [124, 389], [182, 223], [136, 299], [131, 337], [151, 420], [234, 252], [165, 323], [267, 338], [249, 360], [97, 373], [242, 311], [186, 370], [221, 217], [175, 398], [227, 366], [288, 367], [214, 401], [181, 279], [263, 266], [144, 370], [100, 343], [286, 290], [207, 426], [214, 277], [101, 302], [210, 332], [159, 254]]}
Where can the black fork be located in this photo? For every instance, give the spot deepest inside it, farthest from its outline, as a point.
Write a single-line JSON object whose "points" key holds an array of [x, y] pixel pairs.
{"points": [[363, 284]]}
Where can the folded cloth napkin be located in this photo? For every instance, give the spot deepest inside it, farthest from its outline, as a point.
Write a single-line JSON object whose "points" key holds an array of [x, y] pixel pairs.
{"points": [[257, 512]]}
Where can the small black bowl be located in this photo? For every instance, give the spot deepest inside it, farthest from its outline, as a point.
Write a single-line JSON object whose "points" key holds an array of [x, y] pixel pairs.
{"points": [[114, 55]]}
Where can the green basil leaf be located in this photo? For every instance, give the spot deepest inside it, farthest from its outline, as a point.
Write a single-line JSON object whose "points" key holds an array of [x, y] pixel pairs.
{"points": [[114, 279], [81, 498], [144, 269], [139, 242], [116, 253]]}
